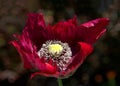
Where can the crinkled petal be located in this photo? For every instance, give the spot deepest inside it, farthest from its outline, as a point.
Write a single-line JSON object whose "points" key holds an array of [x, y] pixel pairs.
{"points": [[35, 27], [64, 30], [89, 32], [29, 55], [45, 74], [25, 49], [85, 50], [45, 67]]}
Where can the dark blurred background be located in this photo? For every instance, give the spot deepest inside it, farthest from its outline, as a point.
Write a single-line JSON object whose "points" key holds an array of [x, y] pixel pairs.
{"points": [[101, 68]]}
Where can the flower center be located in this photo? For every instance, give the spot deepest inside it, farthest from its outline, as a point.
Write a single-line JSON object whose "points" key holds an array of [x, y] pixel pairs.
{"points": [[55, 49]]}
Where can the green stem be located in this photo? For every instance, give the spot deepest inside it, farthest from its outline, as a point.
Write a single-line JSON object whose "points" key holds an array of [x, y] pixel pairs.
{"points": [[60, 82]]}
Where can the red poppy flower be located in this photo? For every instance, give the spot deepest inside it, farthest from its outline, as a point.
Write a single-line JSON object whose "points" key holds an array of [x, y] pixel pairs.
{"points": [[57, 51]]}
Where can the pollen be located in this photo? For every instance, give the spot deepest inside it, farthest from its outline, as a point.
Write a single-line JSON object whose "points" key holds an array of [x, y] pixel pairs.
{"points": [[55, 49]]}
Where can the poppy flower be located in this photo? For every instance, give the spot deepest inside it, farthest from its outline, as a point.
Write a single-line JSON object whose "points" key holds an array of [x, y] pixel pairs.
{"points": [[57, 51]]}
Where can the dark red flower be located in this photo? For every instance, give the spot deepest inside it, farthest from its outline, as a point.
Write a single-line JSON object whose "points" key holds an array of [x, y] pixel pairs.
{"points": [[57, 51]]}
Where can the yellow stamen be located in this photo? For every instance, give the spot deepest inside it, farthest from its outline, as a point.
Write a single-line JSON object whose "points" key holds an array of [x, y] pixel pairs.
{"points": [[55, 49]]}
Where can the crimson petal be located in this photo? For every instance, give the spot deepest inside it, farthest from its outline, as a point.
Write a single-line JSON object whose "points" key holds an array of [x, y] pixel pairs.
{"points": [[89, 32], [85, 50], [45, 74], [43, 66], [25, 49], [35, 27], [65, 30], [29, 55]]}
